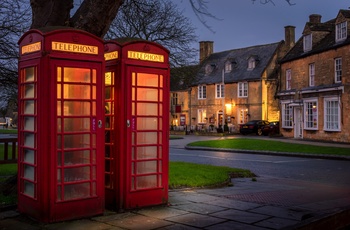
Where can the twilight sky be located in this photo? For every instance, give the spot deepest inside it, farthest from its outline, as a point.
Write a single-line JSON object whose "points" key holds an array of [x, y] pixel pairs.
{"points": [[246, 24]]}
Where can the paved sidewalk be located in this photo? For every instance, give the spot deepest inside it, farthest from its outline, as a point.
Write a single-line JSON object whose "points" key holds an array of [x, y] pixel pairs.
{"points": [[268, 203]]}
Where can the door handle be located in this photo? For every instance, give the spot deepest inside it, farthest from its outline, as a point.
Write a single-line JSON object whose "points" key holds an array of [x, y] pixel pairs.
{"points": [[128, 123]]}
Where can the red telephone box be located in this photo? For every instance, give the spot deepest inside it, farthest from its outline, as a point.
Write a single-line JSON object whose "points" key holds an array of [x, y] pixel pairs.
{"points": [[141, 124], [61, 125]]}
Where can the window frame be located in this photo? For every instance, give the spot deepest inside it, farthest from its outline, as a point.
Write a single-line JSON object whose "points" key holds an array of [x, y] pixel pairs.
{"points": [[338, 65], [307, 42], [312, 74], [251, 63], [288, 79], [201, 115], [336, 117], [220, 90], [287, 117], [228, 67], [242, 91], [202, 92], [341, 31], [311, 105]]}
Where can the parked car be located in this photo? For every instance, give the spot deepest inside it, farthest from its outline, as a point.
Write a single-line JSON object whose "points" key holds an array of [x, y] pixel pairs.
{"points": [[253, 126], [272, 128]]}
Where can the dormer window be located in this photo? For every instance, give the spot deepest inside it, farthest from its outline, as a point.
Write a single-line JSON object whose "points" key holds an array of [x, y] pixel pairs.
{"points": [[251, 63], [209, 68], [228, 67], [340, 31], [307, 40]]}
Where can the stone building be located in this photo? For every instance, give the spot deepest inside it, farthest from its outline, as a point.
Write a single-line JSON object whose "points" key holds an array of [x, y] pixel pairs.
{"points": [[315, 82]]}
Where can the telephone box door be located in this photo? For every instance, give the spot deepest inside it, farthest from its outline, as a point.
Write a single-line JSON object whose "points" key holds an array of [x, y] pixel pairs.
{"points": [[147, 163]]}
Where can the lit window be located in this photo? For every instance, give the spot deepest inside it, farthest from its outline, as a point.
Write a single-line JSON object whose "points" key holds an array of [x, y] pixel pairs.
{"points": [[338, 69], [307, 41], [311, 117], [340, 31], [242, 89], [202, 91], [312, 74], [331, 114], [288, 79], [243, 116], [220, 90], [202, 114], [287, 117]]}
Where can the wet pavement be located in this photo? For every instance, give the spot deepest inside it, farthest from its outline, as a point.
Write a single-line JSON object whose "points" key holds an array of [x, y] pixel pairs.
{"points": [[264, 203]]}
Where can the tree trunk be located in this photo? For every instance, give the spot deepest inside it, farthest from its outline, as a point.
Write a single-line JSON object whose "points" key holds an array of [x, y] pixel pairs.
{"points": [[94, 17]]}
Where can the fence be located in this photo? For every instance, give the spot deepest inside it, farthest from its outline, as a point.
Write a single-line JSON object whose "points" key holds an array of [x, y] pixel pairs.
{"points": [[9, 157]]}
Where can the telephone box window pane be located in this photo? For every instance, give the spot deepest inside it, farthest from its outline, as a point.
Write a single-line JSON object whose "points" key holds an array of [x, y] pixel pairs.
{"points": [[147, 94], [59, 141], [144, 123], [59, 91], [29, 107], [146, 182], [74, 191], [160, 95], [76, 174], [147, 138], [161, 81], [133, 138], [59, 175], [76, 157], [160, 138], [29, 123], [76, 124], [144, 79], [160, 152], [94, 76], [93, 173], [108, 78], [76, 108], [76, 91], [133, 108], [29, 156], [93, 112], [29, 74], [29, 172], [160, 181], [146, 167], [59, 193], [146, 152], [133, 79], [133, 93], [93, 92], [160, 124], [160, 110], [108, 93], [28, 188], [59, 74], [160, 166], [94, 186], [76, 75], [29, 140], [29, 91], [93, 157], [59, 158], [77, 141], [147, 109], [59, 108]]}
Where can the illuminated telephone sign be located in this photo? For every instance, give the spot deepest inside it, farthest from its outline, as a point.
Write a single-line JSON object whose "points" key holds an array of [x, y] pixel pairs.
{"points": [[31, 48], [74, 48], [145, 56], [111, 55]]}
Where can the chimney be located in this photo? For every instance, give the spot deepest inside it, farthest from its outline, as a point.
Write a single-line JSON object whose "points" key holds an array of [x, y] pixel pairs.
{"points": [[289, 34], [315, 18], [205, 49]]}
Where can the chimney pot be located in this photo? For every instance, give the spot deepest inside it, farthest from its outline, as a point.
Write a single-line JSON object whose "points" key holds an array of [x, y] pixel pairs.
{"points": [[205, 49], [315, 18]]}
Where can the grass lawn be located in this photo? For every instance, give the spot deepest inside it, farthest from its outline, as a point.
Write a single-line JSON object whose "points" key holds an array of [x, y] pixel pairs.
{"points": [[270, 145]]}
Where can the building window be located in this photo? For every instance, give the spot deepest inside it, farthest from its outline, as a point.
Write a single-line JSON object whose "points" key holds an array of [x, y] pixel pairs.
{"points": [[288, 79], [202, 92], [331, 114], [209, 68], [307, 41], [220, 91], [311, 114], [202, 114], [242, 89], [174, 99], [251, 63], [228, 67], [338, 69], [340, 31], [287, 117], [312, 74], [243, 116]]}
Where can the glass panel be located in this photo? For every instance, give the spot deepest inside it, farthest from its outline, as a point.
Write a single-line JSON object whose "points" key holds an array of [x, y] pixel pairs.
{"points": [[76, 91], [160, 110], [76, 124], [160, 138], [29, 139], [108, 78], [59, 108], [160, 166], [147, 138], [133, 79], [146, 167], [59, 91], [28, 172], [93, 157], [93, 140], [147, 109], [93, 112], [160, 181], [161, 81], [29, 156], [59, 125], [29, 123], [74, 191], [59, 158], [160, 95], [93, 177], [94, 186], [77, 174], [144, 123], [29, 91], [28, 188], [93, 92], [29, 107], [146, 152], [76, 108], [145, 94], [76, 75], [145, 79], [94, 76], [59, 74], [133, 93], [76, 157], [133, 108], [77, 141], [29, 74], [108, 92], [133, 138], [59, 193], [146, 182], [58, 175], [160, 124], [133, 153]]}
